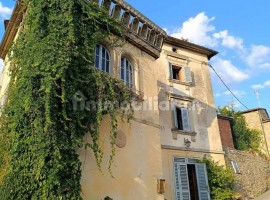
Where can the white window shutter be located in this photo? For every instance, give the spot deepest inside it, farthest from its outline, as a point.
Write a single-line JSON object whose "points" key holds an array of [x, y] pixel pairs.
{"points": [[185, 119], [177, 182], [181, 181], [184, 182], [202, 181], [187, 75], [175, 117], [170, 71]]}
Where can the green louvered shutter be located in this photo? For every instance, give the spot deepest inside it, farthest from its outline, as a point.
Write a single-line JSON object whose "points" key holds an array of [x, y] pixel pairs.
{"points": [[181, 182], [185, 119], [202, 181], [187, 75]]}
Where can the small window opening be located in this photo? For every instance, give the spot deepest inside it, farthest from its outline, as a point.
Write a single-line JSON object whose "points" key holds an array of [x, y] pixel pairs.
{"points": [[174, 50], [235, 167], [176, 72]]}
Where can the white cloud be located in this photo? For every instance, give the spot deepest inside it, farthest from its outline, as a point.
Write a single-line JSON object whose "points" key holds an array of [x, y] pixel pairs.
{"points": [[1, 68], [228, 71], [261, 86], [238, 93], [197, 30], [5, 11], [257, 86], [259, 57], [229, 41], [267, 83]]}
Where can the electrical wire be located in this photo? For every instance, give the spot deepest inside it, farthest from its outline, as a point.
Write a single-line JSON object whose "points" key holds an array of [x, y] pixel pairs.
{"points": [[227, 87]]}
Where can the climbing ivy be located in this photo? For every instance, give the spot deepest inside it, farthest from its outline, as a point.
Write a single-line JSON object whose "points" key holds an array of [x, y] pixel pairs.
{"points": [[52, 76], [245, 139]]}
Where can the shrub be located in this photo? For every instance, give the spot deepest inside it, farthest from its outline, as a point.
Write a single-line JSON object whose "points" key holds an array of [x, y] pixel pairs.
{"points": [[221, 180]]}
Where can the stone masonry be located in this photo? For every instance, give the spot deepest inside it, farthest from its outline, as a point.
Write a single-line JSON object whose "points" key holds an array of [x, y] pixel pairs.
{"points": [[254, 177]]}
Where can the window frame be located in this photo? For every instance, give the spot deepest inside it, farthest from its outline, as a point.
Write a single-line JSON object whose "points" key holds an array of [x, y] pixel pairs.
{"points": [[182, 182], [184, 74], [103, 55], [185, 126], [127, 64]]}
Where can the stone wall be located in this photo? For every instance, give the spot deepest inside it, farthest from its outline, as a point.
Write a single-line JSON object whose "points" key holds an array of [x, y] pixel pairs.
{"points": [[254, 177]]}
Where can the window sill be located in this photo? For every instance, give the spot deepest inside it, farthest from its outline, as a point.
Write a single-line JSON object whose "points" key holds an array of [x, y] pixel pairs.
{"points": [[181, 132], [179, 82]]}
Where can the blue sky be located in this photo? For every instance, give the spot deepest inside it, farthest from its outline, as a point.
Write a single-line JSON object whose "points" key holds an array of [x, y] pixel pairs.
{"points": [[238, 30]]}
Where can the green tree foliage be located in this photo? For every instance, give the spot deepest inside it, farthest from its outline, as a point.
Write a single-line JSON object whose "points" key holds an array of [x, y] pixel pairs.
{"points": [[221, 180], [51, 60], [244, 138]]}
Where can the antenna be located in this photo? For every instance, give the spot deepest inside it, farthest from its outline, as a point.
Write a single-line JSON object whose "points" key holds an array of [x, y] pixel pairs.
{"points": [[257, 93]]}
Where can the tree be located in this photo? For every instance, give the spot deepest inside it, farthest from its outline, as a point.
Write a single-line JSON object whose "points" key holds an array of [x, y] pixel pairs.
{"points": [[51, 60], [244, 138]]}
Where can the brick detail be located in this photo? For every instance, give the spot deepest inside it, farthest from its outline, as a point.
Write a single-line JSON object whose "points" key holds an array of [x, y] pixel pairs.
{"points": [[225, 133]]}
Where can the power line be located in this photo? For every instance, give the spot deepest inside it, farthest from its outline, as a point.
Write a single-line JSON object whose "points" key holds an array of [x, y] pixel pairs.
{"points": [[227, 87]]}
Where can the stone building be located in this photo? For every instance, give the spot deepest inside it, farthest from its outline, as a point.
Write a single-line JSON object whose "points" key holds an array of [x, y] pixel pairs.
{"points": [[258, 119], [174, 125]]}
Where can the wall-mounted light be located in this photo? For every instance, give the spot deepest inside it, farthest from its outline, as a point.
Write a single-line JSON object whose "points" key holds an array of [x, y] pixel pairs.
{"points": [[187, 142], [161, 186]]}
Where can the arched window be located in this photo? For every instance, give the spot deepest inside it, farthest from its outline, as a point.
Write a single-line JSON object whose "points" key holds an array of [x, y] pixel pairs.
{"points": [[102, 58], [127, 74]]}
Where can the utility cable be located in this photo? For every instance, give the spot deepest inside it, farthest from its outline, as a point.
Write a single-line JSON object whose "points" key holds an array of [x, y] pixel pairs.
{"points": [[227, 87]]}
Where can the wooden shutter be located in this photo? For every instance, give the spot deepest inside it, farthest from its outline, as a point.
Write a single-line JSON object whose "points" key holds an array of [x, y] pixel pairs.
{"points": [[175, 117], [202, 181], [177, 182], [187, 74], [181, 182], [185, 119], [170, 71]]}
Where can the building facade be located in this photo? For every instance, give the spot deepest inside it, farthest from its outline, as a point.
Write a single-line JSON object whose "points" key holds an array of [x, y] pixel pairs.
{"points": [[175, 122], [258, 119]]}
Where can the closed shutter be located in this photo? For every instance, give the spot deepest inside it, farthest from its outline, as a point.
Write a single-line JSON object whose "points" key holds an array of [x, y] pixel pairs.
{"points": [[175, 117], [170, 71], [181, 182], [202, 181], [177, 182], [187, 74], [185, 119], [184, 182]]}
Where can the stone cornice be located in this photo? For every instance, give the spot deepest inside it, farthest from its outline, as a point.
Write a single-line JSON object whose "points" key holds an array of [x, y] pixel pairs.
{"points": [[11, 29], [190, 46], [140, 16]]}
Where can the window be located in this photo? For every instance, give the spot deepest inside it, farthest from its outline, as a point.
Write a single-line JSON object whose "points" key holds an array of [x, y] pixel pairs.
{"points": [[191, 182], [102, 58], [182, 74], [181, 119], [176, 71], [235, 167], [127, 74]]}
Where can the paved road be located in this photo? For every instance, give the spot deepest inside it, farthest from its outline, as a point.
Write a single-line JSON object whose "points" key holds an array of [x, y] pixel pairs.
{"points": [[265, 196]]}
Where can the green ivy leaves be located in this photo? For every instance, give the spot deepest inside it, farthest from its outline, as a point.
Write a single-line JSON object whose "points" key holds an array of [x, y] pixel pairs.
{"points": [[51, 60]]}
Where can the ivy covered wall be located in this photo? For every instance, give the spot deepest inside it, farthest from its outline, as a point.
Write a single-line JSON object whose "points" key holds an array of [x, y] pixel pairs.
{"points": [[51, 60]]}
